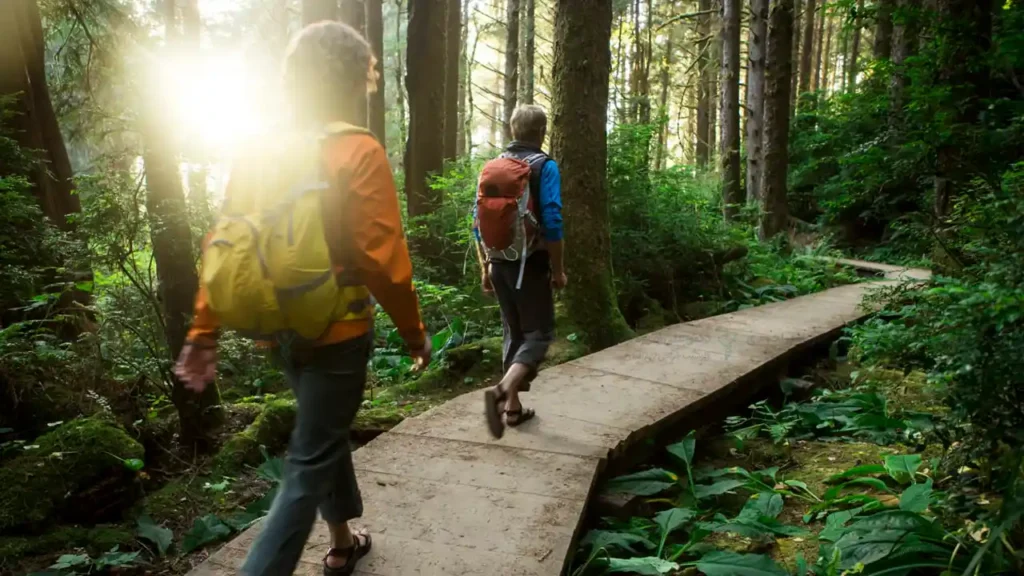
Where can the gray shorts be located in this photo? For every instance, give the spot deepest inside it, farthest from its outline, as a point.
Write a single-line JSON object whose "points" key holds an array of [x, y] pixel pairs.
{"points": [[527, 313]]}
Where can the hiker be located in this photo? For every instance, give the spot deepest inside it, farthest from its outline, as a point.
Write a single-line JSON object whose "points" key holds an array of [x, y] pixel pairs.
{"points": [[317, 216], [518, 228]]}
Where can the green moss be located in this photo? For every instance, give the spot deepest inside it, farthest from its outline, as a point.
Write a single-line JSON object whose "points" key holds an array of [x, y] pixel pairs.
{"points": [[179, 499], [70, 459], [95, 540], [270, 429]]}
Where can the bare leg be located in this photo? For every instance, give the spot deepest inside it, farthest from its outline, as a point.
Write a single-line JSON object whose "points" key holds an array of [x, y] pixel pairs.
{"points": [[513, 379], [341, 539]]}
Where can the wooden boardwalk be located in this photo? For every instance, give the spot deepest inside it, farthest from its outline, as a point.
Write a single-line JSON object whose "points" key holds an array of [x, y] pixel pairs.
{"points": [[442, 498]]}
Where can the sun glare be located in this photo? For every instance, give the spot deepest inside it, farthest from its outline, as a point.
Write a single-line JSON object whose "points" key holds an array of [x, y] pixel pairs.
{"points": [[218, 101]]}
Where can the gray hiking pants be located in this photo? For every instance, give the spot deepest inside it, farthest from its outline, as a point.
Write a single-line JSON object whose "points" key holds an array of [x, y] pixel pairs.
{"points": [[527, 314], [328, 382]]}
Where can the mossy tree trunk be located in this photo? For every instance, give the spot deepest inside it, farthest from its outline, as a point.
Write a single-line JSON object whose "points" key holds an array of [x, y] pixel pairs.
{"points": [[732, 188], [883, 29], [851, 69], [579, 143], [807, 56], [527, 78], [424, 152], [778, 80], [701, 147], [756, 42]]}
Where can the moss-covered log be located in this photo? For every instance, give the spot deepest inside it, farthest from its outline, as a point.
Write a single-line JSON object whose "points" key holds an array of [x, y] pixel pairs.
{"points": [[77, 471]]}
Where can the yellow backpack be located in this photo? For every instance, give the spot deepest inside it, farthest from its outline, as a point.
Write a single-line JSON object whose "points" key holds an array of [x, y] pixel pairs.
{"points": [[267, 269]]}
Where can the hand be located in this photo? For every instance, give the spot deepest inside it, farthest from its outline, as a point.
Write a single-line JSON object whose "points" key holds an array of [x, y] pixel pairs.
{"points": [[559, 280], [485, 284], [421, 357], [197, 366]]}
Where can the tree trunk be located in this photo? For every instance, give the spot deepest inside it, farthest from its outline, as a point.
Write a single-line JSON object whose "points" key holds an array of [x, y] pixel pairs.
{"points": [[756, 41], [375, 34], [779, 69], [640, 73], [353, 13], [714, 60], [579, 141], [314, 11], [883, 30], [425, 82], [794, 89], [701, 148], [36, 128], [464, 140], [826, 58], [851, 71], [527, 80], [819, 48], [904, 43], [453, 35], [666, 81], [732, 188], [403, 129], [807, 56], [510, 95]]}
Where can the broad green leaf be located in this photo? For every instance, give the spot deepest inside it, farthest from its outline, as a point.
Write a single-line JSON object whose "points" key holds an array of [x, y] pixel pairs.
{"points": [[797, 484], [917, 497], [834, 492], [722, 563], [763, 505], [857, 471], [702, 491], [205, 530], [272, 469], [598, 539], [902, 467], [685, 450], [133, 464], [115, 559], [646, 483], [801, 564], [160, 537], [835, 524], [71, 561], [649, 566], [670, 520]]}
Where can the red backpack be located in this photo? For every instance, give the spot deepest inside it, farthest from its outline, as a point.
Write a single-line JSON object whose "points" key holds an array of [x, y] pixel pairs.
{"points": [[506, 209]]}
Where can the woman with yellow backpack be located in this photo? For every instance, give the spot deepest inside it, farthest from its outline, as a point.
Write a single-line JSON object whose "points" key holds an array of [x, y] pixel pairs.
{"points": [[310, 229]]}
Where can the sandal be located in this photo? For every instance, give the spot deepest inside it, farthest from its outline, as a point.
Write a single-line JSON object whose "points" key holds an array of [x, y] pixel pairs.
{"points": [[352, 555], [521, 415], [492, 410]]}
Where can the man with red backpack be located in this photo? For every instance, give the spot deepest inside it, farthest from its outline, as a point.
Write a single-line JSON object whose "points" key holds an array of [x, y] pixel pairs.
{"points": [[518, 228]]}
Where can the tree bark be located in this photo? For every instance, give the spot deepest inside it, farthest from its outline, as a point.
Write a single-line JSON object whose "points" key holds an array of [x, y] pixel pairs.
{"points": [[353, 13], [464, 140], [851, 71], [807, 56], [732, 188], [453, 35], [37, 131], [778, 73], [666, 81], [527, 81], [511, 65], [794, 89], [883, 30], [714, 60], [701, 148], [314, 11], [756, 42], [819, 47], [826, 62], [375, 34], [400, 89], [579, 141], [904, 43], [425, 82]]}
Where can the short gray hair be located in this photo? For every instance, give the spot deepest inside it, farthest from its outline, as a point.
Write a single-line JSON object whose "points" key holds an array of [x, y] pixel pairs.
{"points": [[529, 122]]}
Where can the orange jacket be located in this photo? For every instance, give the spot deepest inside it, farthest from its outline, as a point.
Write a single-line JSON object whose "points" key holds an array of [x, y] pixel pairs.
{"points": [[366, 225]]}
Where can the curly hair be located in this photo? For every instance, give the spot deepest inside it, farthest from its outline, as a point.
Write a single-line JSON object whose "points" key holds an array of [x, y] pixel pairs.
{"points": [[325, 65]]}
